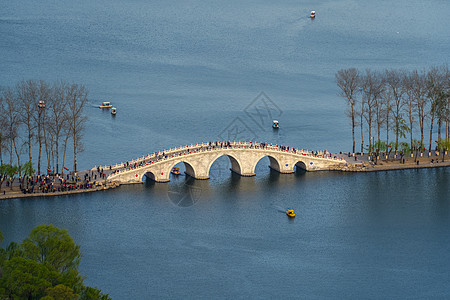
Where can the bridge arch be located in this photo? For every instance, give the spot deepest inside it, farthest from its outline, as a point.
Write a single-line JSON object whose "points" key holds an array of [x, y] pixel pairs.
{"points": [[274, 163], [235, 164], [189, 169], [301, 164], [150, 175]]}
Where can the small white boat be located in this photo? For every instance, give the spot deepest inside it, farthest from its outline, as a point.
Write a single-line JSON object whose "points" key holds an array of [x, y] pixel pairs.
{"points": [[41, 104], [275, 124], [106, 105], [113, 111], [313, 14]]}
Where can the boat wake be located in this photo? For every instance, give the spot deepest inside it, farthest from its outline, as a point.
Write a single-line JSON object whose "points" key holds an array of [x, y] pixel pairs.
{"points": [[280, 209]]}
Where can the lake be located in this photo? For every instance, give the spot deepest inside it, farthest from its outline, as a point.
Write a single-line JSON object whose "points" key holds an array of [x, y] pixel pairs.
{"points": [[182, 73]]}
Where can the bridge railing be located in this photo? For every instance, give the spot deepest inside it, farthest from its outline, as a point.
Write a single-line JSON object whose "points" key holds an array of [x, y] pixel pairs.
{"points": [[183, 151]]}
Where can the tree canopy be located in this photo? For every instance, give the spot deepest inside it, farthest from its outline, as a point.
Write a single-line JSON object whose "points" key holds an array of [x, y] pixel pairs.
{"points": [[44, 266]]}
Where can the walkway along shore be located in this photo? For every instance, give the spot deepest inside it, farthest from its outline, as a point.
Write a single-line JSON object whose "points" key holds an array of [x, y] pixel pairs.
{"points": [[17, 193], [392, 165]]}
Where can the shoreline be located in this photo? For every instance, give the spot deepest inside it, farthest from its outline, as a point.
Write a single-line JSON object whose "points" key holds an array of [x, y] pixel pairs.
{"points": [[378, 168], [353, 166], [392, 165]]}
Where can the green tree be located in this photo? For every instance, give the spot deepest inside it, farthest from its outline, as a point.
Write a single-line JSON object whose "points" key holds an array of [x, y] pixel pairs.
{"points": [[44, 266], [404, 148], [380, 146], [50, 245], [54, 247], [3, 174], [401, 130], [11, 172], [391, 147], [416, 147], [90, 293], [2, 256], [28, 169], [24, 278], [13, 250], [443, 145], [61, 292]]}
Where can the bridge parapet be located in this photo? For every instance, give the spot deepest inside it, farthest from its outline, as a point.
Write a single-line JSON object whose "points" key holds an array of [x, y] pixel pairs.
{"points": [[199, 158], [187, 148]]}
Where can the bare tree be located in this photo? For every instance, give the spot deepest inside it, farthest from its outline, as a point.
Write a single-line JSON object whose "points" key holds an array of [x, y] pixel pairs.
{"points": [[18, 152], [443, 98], [46, 130], [372, 87], [3, 126], [447, 97], [347, 81], [361, 109], [419, 93], [393, 80], [380, 104], [12, 120], [447, 118], [27, 94], [404, 99], [40, 118], [66, 134], [369, 109], [387, 99], [409, 106], [33, 110], [76, 101], [56, 116], [435, 95], [49, 146]]}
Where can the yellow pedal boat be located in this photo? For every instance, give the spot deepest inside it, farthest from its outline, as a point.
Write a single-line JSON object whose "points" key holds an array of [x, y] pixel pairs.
{"points": [[290, 213]]}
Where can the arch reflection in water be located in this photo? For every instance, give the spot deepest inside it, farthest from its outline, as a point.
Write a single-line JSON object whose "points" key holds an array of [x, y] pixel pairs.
{"points": [[187, 192], [219, 170]]}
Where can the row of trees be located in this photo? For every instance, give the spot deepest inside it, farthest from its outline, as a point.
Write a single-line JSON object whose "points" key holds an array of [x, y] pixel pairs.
{"points": [[398, 102], [44, 266], [48, 116]]}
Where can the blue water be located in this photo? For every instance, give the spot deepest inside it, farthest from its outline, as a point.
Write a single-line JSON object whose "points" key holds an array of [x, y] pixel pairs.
{"points": [[182, 73]]}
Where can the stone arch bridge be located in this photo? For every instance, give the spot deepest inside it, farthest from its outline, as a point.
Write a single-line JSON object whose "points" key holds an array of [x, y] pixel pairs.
{"points": [[198, 159]]}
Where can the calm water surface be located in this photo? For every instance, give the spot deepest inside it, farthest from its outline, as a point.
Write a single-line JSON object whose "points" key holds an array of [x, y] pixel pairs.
{"points": [[181, 73]]}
